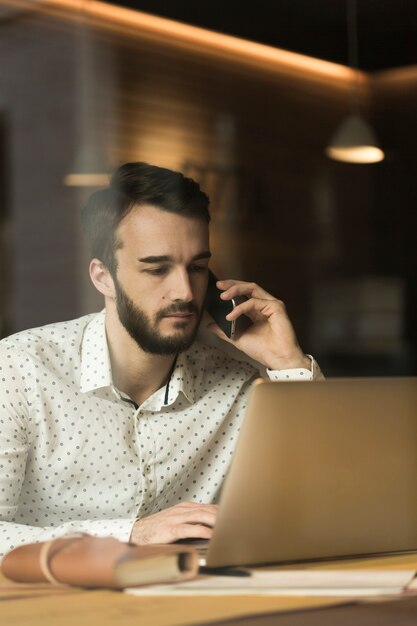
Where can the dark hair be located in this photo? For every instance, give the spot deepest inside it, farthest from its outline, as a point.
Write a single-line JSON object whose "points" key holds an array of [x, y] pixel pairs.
{"points": [[131, 185]]}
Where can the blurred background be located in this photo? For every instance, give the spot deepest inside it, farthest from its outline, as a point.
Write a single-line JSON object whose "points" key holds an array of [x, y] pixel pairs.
{"points": [[245, 97]]}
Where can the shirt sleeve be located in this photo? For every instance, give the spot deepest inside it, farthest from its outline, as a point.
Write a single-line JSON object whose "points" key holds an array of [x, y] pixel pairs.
{"points": [[12, 471], [14, 450], [300, 373], [13, 535]]}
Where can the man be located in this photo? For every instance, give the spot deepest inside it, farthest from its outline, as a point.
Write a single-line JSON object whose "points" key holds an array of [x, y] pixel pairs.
{"points": [[122, 423]]}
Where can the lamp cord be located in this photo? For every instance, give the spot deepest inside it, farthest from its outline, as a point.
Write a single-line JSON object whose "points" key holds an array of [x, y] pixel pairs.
{"points": [[353, 50]]}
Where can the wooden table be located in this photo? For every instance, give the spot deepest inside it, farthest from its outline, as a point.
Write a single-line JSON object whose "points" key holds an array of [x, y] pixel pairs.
{"points": [[24, 605]]}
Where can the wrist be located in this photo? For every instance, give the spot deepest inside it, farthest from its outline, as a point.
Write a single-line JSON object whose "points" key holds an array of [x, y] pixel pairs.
{"points": [[135, 533], [298, 361]]}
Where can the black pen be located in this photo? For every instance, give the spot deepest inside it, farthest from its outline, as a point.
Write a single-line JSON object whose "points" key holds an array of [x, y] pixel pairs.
{"points": [[224, 571]]}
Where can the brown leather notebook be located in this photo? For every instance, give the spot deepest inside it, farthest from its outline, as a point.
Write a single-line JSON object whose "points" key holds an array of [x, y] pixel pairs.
{"points": [[86, 561]]}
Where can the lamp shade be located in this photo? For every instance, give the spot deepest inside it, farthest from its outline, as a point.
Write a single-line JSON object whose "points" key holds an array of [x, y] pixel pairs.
{"points": [[354, 142], [88, 169]]}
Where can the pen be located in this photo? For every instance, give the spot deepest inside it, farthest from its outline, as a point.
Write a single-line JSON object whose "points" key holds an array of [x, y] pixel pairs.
{"points": [[224, 571]]}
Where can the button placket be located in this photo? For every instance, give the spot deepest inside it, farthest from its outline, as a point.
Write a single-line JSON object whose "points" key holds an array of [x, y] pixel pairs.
{"points": [[146, 461]]}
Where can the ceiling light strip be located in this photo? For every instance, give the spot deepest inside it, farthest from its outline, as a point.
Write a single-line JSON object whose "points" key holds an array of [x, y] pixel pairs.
{"points": [[209, 42]]}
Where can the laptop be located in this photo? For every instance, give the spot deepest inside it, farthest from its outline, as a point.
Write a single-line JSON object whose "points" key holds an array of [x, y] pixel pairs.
{"points": [[321, 470]]}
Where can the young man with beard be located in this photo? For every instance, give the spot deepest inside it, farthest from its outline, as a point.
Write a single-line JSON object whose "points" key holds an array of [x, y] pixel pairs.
{"points": [[121, 422]]}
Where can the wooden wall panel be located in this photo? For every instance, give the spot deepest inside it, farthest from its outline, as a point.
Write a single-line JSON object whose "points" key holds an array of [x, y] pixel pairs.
{"points": [[252, 134]]}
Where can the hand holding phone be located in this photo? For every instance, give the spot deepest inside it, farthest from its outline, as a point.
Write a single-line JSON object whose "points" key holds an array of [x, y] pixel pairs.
{"points": [[271, 339], [218, 309]]}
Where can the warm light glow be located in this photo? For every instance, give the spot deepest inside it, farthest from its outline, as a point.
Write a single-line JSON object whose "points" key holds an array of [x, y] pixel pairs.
{"points": [[354, 142], [399, 77], [86, 180], [199, 40], [355, 154]]}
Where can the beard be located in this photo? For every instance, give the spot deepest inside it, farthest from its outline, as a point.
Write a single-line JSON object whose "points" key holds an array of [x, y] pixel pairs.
{"points": [[145, 332]]}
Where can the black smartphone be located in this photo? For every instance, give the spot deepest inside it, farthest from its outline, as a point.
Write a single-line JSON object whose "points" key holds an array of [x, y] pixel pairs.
{"points": [[218, 309]]}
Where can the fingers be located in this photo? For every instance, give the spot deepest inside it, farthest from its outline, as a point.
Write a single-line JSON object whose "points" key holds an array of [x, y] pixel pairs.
{"points": [[216, 330], [233, 288], [187, 519], [257, 308], [195, 507], [190, 513], [145, 533], [190, 531]]}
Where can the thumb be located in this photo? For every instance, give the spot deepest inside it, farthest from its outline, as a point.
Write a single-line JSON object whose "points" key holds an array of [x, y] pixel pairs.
{"points": [[216, 330]]}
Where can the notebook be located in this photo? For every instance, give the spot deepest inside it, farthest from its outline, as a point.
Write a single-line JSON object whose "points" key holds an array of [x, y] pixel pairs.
{"points": [[321, 470]]}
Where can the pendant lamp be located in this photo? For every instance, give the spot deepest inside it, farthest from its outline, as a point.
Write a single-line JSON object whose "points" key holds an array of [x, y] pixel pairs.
{"points": [[354, 140], [88, 168]]}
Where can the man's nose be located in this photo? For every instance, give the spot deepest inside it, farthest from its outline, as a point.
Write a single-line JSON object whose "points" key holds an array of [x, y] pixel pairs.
{"points": [[181, 288]]}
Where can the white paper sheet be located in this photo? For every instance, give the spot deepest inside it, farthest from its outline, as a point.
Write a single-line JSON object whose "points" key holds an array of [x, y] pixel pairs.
{"points": [[289, 583]]}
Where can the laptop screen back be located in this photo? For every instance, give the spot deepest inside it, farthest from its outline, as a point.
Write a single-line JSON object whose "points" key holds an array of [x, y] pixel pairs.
{"points": [[321, 470]]}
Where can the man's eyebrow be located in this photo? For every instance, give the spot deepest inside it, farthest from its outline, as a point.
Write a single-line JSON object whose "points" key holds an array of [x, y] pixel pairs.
{"points": [[167, 259], [155, 259], [203, 255]]}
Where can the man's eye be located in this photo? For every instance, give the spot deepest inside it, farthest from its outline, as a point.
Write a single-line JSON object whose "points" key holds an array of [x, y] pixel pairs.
{"points": [[198, 268], [157, 271]]}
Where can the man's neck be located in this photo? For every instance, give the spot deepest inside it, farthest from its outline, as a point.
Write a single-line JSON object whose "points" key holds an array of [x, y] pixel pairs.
{"points": [[135, 372]]}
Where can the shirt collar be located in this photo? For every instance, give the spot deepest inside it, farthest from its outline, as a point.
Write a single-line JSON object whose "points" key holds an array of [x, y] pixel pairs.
{"points": [[95, 366], [181, 380]]}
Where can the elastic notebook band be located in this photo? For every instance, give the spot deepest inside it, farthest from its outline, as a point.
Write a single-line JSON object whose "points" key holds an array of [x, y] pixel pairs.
{"points": [[44, 557], [44, 563]]}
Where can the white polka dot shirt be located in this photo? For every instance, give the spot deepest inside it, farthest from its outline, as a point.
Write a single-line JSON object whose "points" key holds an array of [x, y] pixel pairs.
{"points": [[77, 455]]}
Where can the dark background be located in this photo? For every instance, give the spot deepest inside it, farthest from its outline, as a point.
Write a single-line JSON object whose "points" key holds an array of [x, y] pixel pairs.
{"points": [[337, 242], [387, 29]]}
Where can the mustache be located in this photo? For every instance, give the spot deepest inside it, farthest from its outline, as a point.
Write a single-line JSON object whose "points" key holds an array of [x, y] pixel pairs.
{"points": [[178, 307]]}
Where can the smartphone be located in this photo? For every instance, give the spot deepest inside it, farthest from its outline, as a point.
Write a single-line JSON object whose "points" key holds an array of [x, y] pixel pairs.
{"points": [[218, 309]]}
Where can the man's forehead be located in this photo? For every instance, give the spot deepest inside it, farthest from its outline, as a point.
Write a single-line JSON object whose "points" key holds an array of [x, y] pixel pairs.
{"points": [[159, 233]]}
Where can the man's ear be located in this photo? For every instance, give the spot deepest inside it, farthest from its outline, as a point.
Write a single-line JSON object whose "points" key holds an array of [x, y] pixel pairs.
{"points": [[102, 279]]}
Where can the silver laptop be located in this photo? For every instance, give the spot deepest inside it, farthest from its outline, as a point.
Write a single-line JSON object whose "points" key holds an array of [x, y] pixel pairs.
{"points": [[321, 470]]}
